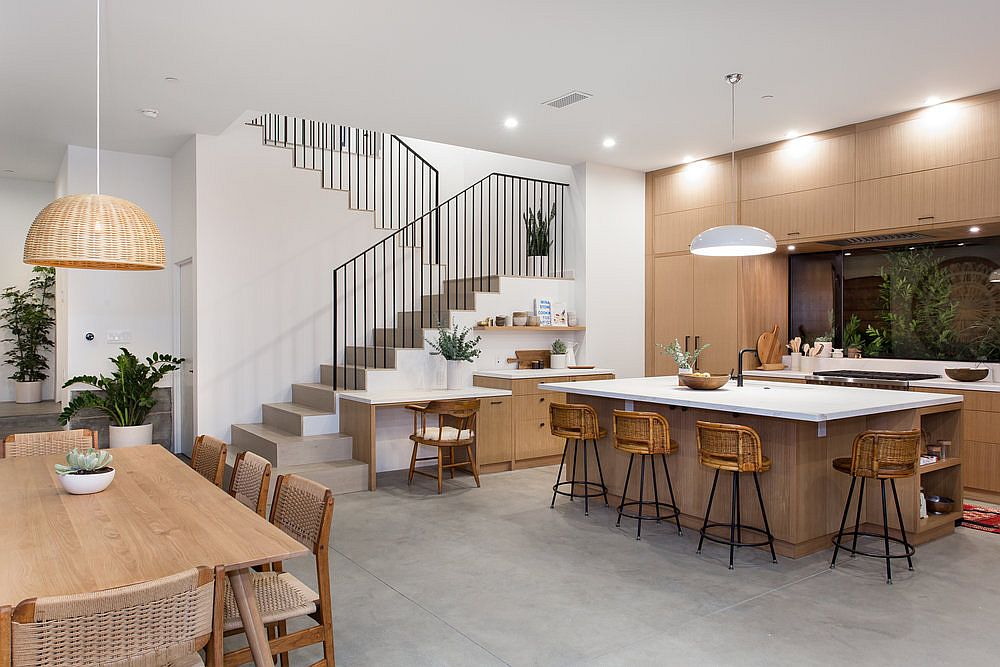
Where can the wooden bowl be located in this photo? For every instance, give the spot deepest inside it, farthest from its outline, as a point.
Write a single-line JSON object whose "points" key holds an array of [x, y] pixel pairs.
{"points": [[705, 383], [967, 374]]}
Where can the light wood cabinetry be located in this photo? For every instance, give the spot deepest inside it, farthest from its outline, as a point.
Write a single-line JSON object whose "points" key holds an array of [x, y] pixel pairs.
{"points": [[797, 165], [808, 214], [672, 232], [493, 441], [696, 185]]}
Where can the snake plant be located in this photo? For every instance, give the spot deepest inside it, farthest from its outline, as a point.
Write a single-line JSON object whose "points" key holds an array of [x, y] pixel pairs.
{"points": [[84, 461]]}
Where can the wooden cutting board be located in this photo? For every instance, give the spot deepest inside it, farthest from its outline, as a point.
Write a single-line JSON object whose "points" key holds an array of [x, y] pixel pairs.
{"points": [[769, 350], [525, 357]]}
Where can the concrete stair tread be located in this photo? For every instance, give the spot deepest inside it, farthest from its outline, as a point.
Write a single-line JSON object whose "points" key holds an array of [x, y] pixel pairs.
{"points": [[299, 409], [281, 437]]}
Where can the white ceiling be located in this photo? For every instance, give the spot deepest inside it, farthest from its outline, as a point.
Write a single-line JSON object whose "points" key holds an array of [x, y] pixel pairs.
{"points": [[451, 70]]}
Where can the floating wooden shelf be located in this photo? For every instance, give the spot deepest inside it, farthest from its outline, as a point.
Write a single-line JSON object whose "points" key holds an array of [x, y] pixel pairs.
{"points": [[939, 465], [935, 520], [526, 328]]}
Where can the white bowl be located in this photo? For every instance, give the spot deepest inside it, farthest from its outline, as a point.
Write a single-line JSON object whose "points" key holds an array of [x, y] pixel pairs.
{"points": [[80, 485]]}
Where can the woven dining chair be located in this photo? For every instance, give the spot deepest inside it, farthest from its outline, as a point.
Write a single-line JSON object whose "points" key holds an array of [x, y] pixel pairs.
{"points": [[303, 509], [164, 622], [47, 442], [208, 458], [250, 480]]}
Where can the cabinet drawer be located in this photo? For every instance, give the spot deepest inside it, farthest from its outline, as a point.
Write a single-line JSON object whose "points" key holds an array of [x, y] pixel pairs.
{"points": [[536, 406], [533, 438], [981, 426], [802, 215]]}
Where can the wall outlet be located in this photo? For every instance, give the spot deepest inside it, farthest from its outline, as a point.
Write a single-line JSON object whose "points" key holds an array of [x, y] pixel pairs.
{"points": [[118, 336]]}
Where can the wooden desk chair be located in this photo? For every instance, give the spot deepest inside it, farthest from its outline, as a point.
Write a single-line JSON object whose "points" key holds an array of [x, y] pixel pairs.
{"points": [[47, 442], [250, 481], [878, 455], [303, 509], [456, 427], [208, 458], [162, 622]]}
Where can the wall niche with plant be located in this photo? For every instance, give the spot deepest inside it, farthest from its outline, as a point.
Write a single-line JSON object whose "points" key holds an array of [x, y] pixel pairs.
{"points": [[927, 301]]}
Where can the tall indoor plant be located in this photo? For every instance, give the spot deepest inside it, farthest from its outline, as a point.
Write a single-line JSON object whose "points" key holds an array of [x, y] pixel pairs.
{"points": [[460, 351], [538, 235], [126, 397], [29, 317]]}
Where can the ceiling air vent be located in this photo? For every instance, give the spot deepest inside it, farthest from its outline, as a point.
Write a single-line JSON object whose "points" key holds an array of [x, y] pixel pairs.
{"points": [[567, 99], [878, 238]]}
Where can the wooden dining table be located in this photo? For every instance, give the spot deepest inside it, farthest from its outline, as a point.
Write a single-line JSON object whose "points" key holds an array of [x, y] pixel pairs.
{"points": [[157, 518]]}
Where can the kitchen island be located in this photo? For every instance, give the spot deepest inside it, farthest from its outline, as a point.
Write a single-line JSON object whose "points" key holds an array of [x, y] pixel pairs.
{"points": [[802, 429]]}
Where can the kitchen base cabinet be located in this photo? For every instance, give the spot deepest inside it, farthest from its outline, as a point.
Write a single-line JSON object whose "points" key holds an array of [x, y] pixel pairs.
{"points": [[493, 442]]}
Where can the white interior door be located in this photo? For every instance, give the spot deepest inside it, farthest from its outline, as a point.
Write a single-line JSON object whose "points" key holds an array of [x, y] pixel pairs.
{"points": [[184, 405]]}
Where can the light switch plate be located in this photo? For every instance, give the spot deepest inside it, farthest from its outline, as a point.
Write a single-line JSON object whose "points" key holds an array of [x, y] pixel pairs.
{"points": [[118, 336]]}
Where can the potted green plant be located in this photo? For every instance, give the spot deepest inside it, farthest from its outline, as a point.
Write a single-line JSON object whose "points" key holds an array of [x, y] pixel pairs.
{"points": [[557, 359], [685, 360], [459, 350], [86, 471], [538, 239], [29, 316], [126, 397]]}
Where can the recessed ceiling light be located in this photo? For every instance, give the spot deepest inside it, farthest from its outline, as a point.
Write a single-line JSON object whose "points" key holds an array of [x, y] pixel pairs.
{"points": [[767, 98], [961, 244], [791, 247], [171, 79], [791, 134], [609, 142], [974, 230], [932, 100], [510, 122], [687, 158], [150, 113], [847, 254]]}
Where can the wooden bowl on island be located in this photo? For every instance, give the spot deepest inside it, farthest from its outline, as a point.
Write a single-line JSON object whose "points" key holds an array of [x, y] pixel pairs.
{"points": [[703, 382], [967, 374]]}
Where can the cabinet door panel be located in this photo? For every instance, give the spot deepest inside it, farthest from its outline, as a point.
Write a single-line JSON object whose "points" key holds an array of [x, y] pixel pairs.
{"points": [[536, 406], [696, 185], [801, 164], [981, 465], [672, 307], [672, 232], [494, 436], [803, 215], [533, 438], [714, 288]]}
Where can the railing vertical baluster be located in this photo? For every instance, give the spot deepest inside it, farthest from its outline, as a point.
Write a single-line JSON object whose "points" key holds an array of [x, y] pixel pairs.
{"points": [[354, 334], [385, 309]]}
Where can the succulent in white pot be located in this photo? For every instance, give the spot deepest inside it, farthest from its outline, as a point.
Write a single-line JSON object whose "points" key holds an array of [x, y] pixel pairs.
{"points": [[459, 351], [557, 357], [86, 471]]}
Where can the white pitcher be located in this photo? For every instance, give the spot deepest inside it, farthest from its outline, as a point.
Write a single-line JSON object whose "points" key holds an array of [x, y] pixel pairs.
{"points": [[571, 353]]}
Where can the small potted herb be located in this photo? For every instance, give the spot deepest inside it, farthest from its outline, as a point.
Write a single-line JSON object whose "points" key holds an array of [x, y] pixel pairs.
{"points": [[538, 237], [126, 397], [557, 359], [29, 317], [685, 360], [86, 471], [459, 351]]}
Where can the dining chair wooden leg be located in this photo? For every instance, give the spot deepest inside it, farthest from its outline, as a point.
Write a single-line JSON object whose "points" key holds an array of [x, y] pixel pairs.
{"points": [[413, 463], [328, 645], [440, 471], [282, 631], [473, 464], [451, 461], [253, 626]]}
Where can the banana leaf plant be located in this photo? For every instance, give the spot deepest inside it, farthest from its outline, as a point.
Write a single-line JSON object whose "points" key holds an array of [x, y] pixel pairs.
{"points": [[127, 396]]}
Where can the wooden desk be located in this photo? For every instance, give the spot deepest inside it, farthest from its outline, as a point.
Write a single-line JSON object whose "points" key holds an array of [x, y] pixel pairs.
{"points": [[358, 411], [157, 518]]}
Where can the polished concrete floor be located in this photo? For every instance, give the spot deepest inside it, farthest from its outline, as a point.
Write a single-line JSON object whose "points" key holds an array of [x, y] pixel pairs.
{"points": [[492, 576]]}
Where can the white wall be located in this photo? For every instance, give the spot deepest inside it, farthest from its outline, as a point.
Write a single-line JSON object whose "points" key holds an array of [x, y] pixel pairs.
{"points": [[20, 202], [101, 301], [612, 244]]}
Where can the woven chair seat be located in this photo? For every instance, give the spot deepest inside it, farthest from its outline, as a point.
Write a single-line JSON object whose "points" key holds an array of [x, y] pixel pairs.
{"points": [[885, 471], [446, 434], [279, 595], [630, 448]]}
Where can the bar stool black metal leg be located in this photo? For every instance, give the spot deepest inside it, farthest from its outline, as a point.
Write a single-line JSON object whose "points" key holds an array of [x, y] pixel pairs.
{"points": [[670, 487], [559, 474], [763, 513], [656, 492], [732, 518], [739, 511], [885, 534], [628, 476], [843, 522], [708, 512], [572, 487], [902, 528], [604, 487], [642, 488], [857, 518], [586, 478]]}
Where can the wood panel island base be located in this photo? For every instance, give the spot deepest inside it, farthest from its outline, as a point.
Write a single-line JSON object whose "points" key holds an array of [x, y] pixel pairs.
{"points": [[802, 429]]}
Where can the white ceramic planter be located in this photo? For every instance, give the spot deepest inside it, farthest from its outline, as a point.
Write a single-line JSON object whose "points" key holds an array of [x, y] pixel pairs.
{"points": [[684, 370], [557, 361], [80, 485], [130, 436], [459, 374], [28, 392]]}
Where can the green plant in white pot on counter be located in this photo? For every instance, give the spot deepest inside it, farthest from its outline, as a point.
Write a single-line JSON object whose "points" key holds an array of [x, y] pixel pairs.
{"points": [[557, 358], [538, 237], [459, 350], [29, 316], [86, 471], [685, 360], [126, 397]]}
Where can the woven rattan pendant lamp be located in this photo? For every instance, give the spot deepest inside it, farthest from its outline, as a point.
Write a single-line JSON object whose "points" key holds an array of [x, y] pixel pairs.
{"points": [[95, 231]]}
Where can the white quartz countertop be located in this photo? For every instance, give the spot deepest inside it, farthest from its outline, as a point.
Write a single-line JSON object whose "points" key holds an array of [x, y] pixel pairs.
{"points": [[402, 396], [800, 402], [943, 382], [530, 373]]}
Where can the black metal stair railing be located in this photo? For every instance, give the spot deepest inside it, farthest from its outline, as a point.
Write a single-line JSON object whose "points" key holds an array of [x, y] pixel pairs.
{"points": [[413, 278], [381, 173]]}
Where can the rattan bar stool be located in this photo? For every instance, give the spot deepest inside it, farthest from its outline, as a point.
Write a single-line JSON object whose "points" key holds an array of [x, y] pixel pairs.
{"points": [[579, 424], [880, 455], [735, 449], [645, 434]]}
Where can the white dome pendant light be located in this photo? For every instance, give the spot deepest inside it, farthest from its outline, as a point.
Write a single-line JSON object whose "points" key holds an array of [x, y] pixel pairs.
{"points": [[95, 231], [733, 240]]}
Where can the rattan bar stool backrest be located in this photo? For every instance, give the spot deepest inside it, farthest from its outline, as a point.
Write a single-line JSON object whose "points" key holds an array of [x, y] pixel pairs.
{"points": [[147, 624], [208, 458], [641, 431], [47, 442], [250, 481], [729, 447], [885, 454], [571, 420]]}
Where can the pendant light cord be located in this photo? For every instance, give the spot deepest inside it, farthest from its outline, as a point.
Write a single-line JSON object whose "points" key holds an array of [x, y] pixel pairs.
{"points": [[98, 96], [733, 80]]}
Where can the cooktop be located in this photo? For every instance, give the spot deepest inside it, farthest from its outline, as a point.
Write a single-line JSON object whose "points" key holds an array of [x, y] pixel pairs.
{"points": [[877, 375]]}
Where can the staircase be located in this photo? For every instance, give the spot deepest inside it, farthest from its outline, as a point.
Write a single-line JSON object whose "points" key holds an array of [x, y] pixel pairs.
{"points": [[433, 262]]}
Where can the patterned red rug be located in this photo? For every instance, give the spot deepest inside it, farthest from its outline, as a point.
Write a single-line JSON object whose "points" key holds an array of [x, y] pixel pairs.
{"points": [[981, 518]]}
